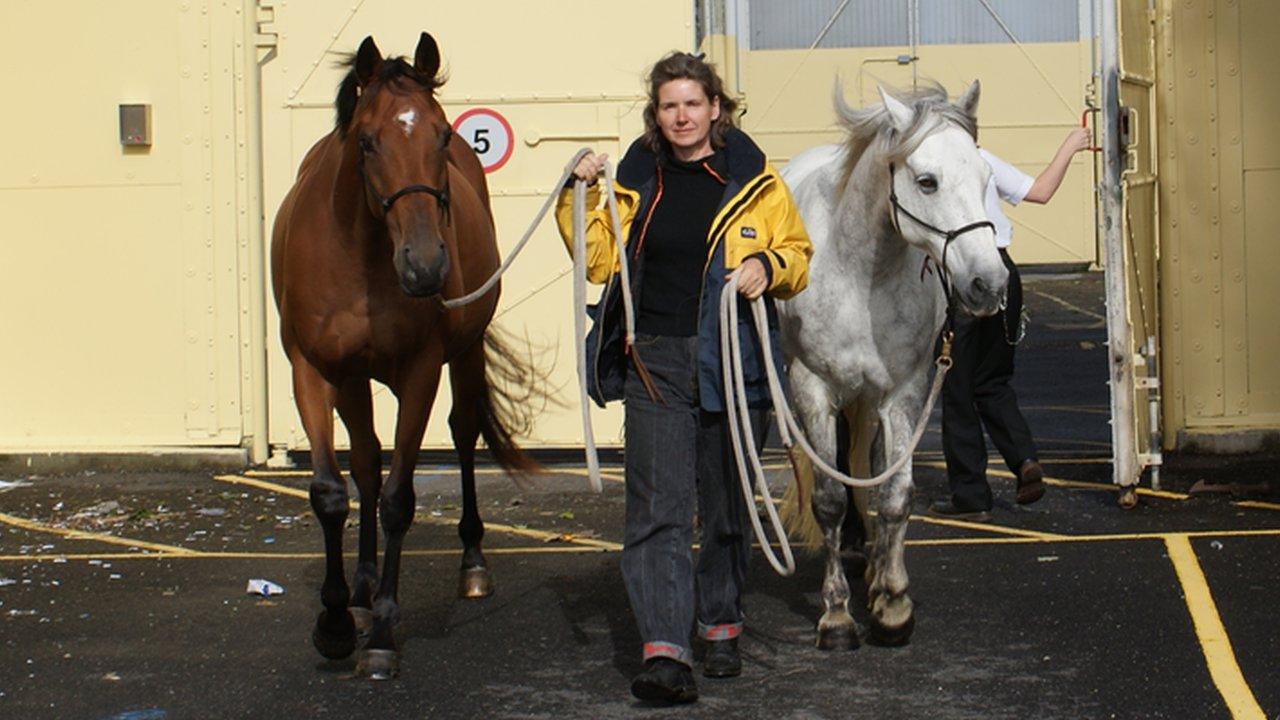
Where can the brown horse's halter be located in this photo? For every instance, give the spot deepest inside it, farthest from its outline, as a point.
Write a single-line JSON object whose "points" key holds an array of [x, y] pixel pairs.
{"points": [[441, 196]]}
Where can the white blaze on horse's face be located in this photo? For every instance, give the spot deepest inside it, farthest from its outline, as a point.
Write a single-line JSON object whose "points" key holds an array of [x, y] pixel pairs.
{"points": [[406, 120], [944, 182]]}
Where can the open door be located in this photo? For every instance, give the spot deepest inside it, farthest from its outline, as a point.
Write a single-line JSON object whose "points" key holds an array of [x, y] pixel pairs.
{"points": [[1129, 215]]}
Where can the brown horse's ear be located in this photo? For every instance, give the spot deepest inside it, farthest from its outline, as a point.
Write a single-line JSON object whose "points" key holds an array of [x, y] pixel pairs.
{"points": [[426, 59], [368, 60]]}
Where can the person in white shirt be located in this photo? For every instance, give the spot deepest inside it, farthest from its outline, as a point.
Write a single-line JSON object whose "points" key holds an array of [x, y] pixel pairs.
{"points": [[977, 392]]}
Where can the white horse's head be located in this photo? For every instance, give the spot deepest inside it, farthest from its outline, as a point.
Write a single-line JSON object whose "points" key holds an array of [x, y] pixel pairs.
{"points": [[938, 190]]}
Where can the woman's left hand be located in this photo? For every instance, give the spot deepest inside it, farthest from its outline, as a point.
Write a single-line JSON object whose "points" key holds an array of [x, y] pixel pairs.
{"points": [[752, 278]]}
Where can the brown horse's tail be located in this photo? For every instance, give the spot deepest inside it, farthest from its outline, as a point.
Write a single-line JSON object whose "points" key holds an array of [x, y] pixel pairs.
{"points": [[517, 391]]}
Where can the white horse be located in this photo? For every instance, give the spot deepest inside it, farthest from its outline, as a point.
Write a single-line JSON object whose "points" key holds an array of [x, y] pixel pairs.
{"points": [[905, 188]]}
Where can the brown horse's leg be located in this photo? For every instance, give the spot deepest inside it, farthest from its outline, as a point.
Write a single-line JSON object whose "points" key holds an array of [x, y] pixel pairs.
{"points": [[467, 377], [355, 406], [335, 634], [415, 388]]}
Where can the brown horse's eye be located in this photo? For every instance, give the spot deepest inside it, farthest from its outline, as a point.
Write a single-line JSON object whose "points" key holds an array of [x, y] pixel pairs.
{"points": [[366, 145]]}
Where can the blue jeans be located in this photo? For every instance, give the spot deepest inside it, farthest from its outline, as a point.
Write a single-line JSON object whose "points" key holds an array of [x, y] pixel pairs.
{"points": [[678, 459]]}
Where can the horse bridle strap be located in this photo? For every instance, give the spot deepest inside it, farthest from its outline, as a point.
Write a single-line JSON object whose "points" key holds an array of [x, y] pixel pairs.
{"points": [[441, 196], [949, 235]]}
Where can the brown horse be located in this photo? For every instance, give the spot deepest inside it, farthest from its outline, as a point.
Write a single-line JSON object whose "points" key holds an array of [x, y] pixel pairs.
{"points": [[390, 213]]}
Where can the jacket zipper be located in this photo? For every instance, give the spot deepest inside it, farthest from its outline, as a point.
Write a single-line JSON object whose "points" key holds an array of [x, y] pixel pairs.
{"points": [[749, 194]]}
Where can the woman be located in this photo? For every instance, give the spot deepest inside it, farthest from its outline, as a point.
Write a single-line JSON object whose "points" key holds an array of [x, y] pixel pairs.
{"points": [[698, 203]]}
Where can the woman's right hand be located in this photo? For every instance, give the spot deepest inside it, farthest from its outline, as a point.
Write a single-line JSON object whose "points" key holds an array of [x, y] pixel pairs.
{"points": [[590, 167]]}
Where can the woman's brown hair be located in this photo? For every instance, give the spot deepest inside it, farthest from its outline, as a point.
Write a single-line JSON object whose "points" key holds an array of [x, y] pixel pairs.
{"points": [[683, 66]]}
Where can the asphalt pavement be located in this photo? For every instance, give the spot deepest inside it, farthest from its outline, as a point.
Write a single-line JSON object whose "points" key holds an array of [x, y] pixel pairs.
{"points": [[123, 595]]}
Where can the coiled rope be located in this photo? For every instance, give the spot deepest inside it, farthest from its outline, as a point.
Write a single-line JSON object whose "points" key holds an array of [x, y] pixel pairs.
{"points": [[788, 429]]}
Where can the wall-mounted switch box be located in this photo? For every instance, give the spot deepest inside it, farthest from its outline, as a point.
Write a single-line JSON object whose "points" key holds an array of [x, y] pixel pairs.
{"points": [[135, 125]]}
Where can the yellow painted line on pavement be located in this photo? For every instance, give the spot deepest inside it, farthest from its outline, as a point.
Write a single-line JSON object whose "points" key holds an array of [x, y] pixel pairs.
{"points": [[567, 548], [987, 527], [550, 470], [1214, 641], [70, 534], [561, 549], [498, 527], [1058, 482], [612, 476], [1257, 505]]}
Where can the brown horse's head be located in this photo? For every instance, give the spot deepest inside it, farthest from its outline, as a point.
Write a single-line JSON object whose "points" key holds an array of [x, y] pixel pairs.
{"points": [[393, 129]]}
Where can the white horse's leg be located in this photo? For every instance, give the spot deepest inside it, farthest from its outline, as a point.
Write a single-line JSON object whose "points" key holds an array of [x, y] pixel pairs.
{"points": [[892, 616], [817, 413]]}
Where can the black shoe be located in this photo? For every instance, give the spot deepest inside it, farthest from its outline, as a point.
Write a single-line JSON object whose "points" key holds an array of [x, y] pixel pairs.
{"points": [[948, 509], [665, 681], [722, 659], [1030, 482]]}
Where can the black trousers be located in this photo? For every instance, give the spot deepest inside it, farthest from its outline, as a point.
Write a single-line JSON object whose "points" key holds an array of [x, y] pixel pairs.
{"points": [[679, 460], [977, 394]]}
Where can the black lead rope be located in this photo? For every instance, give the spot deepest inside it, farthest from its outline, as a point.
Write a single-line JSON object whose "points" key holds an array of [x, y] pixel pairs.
{"points": [[945, 275]]}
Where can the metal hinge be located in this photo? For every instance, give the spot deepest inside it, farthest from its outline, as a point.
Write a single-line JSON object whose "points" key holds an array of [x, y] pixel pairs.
{"points": [[267, 36]]}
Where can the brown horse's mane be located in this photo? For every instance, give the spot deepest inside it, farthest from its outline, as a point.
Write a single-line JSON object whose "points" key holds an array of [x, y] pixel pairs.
{"points": [[391, 69]]}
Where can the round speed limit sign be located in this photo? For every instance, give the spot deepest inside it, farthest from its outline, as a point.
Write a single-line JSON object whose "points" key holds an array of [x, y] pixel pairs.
{"points": [[489, 134]]}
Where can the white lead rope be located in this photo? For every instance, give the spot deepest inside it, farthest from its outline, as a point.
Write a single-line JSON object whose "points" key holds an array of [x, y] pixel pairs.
{"points": [[788, 428], [579, 288]]}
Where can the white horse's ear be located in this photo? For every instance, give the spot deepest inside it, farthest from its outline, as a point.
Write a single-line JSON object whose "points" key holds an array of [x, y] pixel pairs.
{"points": [[969, 100], [898, 111]]}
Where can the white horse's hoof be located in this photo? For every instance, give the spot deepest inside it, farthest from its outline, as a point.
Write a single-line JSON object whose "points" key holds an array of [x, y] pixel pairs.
{"points": [[837, 631], [891, 636]]}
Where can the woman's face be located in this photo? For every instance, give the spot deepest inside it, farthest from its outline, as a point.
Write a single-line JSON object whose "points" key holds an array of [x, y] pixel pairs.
{"points": [[685, 116]]}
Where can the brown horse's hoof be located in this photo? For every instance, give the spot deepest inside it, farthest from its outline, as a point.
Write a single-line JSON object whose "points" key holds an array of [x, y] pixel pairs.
{"points": [[885, 636], [363, 618], [378, 664], [475, 583], [334, 638]]}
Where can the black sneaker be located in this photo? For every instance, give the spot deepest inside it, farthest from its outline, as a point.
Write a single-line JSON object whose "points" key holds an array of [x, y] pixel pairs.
{"points": [[948, 509], [722, 659], [665, 681]]}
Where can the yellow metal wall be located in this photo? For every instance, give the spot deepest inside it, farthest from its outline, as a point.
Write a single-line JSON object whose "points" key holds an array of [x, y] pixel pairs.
{"points": [[127, 276], [564, 74], [1220, 169], [120, 270]]}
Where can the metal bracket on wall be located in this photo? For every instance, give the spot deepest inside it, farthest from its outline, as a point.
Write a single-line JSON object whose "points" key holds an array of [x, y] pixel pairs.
{"points": [[267, 37]]}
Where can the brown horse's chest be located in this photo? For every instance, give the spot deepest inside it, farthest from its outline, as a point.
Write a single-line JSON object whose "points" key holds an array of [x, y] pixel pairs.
{"points": [[368, 335]]}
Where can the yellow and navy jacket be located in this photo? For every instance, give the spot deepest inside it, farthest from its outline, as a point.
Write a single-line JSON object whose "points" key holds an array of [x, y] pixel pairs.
{"points": [[757, 217]]}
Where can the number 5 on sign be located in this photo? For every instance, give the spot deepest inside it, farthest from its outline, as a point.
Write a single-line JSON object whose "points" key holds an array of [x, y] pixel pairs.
{"points": [[489, 134]]}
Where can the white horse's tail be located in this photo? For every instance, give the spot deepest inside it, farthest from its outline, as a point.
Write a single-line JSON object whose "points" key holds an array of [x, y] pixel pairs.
{"points": [[797, 504]]}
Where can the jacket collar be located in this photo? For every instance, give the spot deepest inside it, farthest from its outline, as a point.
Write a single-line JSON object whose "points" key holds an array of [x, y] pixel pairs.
{"points": [[743, 160]]}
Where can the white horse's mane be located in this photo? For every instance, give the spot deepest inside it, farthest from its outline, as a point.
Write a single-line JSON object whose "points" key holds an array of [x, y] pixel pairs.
{"points": [[866, 125]]}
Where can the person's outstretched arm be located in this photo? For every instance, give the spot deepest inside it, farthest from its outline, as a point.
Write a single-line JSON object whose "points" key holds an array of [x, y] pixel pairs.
{"points": [[1048, 181]]}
